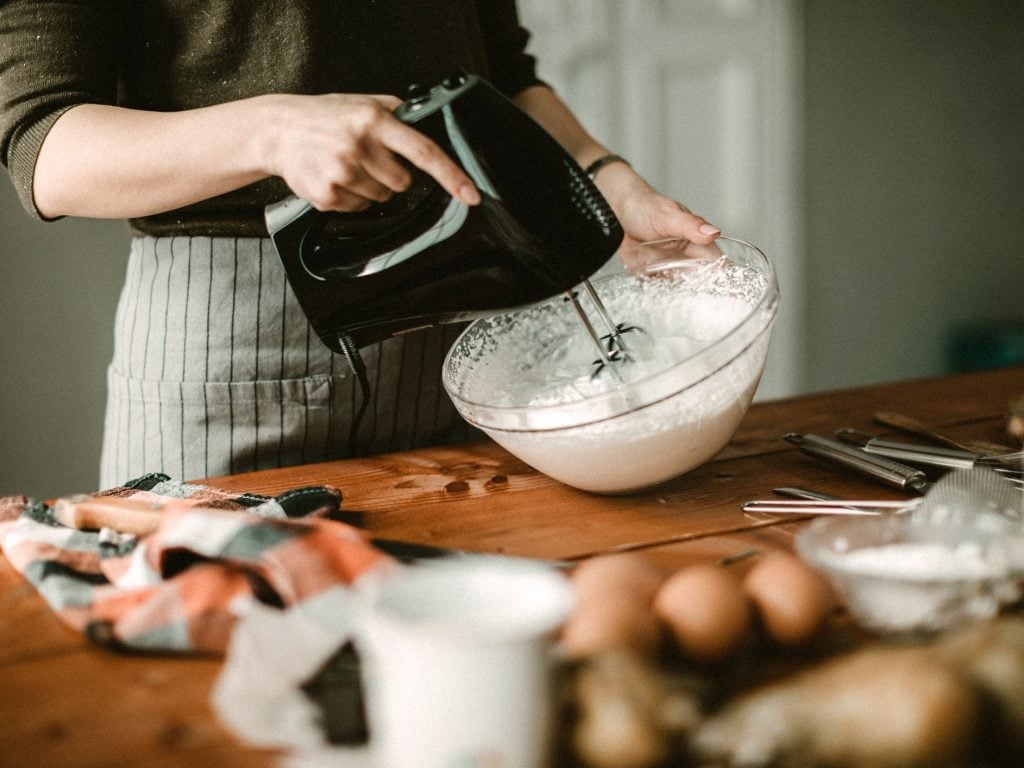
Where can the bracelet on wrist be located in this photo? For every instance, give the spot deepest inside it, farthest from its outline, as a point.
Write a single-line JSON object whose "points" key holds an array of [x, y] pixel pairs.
{"points": [[592, 169]]}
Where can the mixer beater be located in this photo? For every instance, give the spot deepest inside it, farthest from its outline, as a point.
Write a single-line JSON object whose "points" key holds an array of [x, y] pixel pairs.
{"points": [[611, 348]]}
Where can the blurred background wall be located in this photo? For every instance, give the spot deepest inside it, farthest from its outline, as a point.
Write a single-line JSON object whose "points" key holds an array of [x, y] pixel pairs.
{"points": [[913, 187], [897, 143]]}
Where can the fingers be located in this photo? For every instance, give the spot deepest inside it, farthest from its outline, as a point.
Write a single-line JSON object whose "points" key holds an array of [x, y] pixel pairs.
{"points": [[641, 257], [646, 214], [681, 222], [698, 235], [659, 228], [666, 218], [423, 153], [380, 175], [348, 152], [347, 191]]}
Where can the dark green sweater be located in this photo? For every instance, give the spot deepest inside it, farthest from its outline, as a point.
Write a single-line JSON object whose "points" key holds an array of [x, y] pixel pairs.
{"points": [[169, 55]]}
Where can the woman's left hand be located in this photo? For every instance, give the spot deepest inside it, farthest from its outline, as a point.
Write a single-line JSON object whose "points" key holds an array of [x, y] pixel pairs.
{"points": [[645, 215]]}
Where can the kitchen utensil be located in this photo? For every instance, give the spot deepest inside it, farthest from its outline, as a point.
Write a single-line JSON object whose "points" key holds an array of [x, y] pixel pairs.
{"points": [[966, 493], [124, 515], [611, 347], [791, 492], [541, 228], [141, 518], [424, 258], [972, 497], [940, 457], [817, 503], [915, 427], [841, 454], [518, 376], [830, 506]]}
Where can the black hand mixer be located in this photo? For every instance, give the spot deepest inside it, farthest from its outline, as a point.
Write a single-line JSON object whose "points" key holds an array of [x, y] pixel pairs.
{"points": [[542, 228]]}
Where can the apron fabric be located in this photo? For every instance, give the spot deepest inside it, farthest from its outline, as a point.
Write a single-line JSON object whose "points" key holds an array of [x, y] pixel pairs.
{"points": [[217, 371]]}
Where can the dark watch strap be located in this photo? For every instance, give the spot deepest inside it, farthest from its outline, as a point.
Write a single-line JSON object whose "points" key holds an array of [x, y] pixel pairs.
{"points": [[592, 169]]}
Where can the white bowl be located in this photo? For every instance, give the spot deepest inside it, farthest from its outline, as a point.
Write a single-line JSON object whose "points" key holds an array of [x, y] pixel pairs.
{"points": [[900, 575], [524, 378]]}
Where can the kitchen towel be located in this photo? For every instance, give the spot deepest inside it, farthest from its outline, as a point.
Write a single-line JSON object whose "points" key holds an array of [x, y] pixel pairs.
{"points": [[184, 587]]}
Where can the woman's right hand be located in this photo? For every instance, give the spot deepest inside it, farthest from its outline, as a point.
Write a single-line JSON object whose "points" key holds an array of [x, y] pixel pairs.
{"points": [[344, 152], [341, 152]]}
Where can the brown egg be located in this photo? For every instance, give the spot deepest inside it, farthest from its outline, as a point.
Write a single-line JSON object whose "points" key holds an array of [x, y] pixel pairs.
{"points": [[792, 599], [627, 573], [613, 606], [706, 610], [613, 624]]}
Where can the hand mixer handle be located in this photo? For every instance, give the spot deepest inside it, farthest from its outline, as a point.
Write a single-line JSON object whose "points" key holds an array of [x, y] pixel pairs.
{"points": [[288, 222], [284, 213], [423, 258]]}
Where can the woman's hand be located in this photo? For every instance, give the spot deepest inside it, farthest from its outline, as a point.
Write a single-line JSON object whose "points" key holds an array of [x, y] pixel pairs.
{"points": [[341, 152], [344, 152], [645, 215]]}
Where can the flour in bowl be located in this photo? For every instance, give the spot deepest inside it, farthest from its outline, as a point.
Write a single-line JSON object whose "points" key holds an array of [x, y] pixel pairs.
{"points": [[922, 561]]}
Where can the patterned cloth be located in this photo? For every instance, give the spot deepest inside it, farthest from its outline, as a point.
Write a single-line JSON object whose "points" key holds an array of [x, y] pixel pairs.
{"points": [[183, 587]]}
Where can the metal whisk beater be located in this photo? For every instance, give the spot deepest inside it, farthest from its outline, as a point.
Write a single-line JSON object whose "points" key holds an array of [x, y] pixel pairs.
{"points": [[611, 348]]}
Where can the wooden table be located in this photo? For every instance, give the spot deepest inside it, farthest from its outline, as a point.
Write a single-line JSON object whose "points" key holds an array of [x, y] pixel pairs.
{"points": [[64, 702]]}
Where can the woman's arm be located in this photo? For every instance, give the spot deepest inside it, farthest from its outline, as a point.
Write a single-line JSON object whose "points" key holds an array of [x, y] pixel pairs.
{"points": [[338, 151], [645, 214]]}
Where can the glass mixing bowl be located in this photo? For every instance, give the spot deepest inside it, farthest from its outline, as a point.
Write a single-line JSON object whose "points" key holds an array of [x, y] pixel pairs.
{"points": [[527, 378], [900, 575]]}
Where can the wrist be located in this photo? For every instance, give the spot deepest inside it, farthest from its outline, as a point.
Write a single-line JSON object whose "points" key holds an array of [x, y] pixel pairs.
{"points": [[268, 116], [609, 158], [619, 183]]}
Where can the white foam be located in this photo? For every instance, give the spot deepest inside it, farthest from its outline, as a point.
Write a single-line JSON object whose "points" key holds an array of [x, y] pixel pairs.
{"points": [[542, 359]]}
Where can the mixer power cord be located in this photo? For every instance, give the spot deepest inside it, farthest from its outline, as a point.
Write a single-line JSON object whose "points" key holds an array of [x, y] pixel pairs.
{"points": [[355, 362]]}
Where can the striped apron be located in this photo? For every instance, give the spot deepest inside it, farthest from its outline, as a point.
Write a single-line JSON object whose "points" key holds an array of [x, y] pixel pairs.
{"points": [[216, 371]]}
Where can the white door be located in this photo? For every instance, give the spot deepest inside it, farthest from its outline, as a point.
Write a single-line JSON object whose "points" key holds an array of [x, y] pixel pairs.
{"points": [[701, 96]]}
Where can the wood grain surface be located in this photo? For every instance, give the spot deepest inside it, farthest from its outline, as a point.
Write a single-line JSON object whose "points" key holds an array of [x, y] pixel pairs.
{"points": [[64, 702]]}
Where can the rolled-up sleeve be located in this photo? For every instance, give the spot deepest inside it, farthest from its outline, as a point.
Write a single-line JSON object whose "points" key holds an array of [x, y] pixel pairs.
{"points": [[53, 56], [512, 69]]}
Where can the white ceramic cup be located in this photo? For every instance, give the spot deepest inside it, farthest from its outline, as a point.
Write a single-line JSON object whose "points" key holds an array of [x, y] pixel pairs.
{"points": [[457, 659]]}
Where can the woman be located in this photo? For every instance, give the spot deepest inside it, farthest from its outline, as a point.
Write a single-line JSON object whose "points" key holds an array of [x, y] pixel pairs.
{"points": [[188, 119]]}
